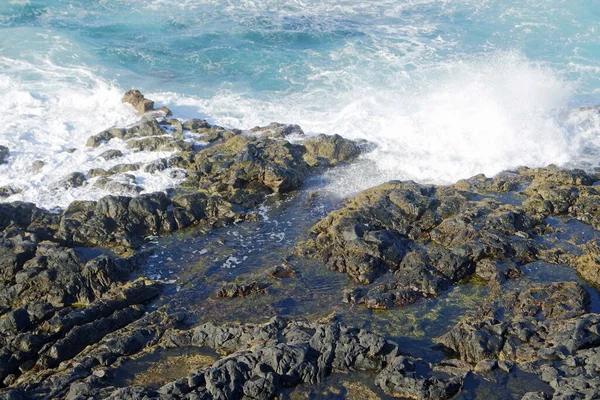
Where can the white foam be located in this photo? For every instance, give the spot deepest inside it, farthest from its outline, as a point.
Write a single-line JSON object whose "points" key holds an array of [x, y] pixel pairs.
{"points": [[48, 114], [473, 115]]}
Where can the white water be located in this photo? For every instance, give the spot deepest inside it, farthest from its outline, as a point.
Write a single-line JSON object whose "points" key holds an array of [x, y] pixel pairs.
{"points": [[480, 115], [48, 112]]}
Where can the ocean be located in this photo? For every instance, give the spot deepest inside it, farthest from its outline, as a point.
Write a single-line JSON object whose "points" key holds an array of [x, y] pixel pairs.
{"points": [[443, 89]]}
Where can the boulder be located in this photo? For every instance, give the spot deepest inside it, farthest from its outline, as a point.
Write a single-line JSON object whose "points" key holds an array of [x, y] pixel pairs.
{"points": [[138, 101]]}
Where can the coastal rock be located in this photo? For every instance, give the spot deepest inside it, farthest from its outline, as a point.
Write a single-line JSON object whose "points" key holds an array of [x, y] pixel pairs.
{"points": [[72, 180], [242, 289], [4, 154], [144, 128], [401, 379], [258, 360], [119, 188], [588, 264], [277, 130], [158, 143], [244, 169], [138, 101], [329, 150], [37, 165], [111, 154]]}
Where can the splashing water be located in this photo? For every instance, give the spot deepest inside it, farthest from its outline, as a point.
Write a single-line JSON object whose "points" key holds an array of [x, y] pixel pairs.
{"points": [[444, 89]]}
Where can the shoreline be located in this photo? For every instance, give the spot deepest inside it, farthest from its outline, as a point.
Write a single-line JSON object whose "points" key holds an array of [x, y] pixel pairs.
{"points": [[72, 317]]}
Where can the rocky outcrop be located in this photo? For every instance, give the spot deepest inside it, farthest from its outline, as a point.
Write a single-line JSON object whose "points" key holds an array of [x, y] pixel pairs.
{"points": [[426, 238], [245, 169], [258, 362]]}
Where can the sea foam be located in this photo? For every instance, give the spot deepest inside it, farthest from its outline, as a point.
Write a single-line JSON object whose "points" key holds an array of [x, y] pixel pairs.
{"points": [[48, 113], [474, 115]]}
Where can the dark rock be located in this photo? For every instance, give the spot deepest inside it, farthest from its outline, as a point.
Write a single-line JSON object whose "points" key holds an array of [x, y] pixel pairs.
{"points": [[4, 154], [143, 129], [402, 379], [242, 289], [544, 321]]}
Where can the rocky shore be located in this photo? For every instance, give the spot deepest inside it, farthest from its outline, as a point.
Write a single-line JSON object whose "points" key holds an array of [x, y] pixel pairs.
{"points": [[75, 310]]}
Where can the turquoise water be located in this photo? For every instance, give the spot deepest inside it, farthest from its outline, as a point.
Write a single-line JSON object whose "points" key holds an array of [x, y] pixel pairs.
{"points": [[445, 88]]}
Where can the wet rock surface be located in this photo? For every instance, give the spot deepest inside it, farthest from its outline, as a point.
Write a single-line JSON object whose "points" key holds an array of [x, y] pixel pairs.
{"points": [[257, 361], [79, 303]]}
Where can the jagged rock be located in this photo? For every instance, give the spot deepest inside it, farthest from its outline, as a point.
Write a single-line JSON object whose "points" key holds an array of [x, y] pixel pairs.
{"points": [[519, 335], [138, 101], [402, 379], [195, 124]]}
